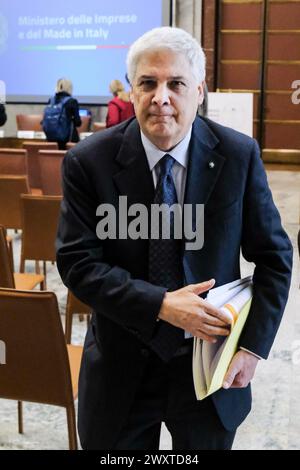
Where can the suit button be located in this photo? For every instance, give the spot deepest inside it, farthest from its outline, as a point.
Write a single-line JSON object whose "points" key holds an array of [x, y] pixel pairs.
{"points": [[145, 352]]}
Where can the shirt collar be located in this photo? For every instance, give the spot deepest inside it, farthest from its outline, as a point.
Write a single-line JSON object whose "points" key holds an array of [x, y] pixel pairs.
{"points": [[179, 153]]}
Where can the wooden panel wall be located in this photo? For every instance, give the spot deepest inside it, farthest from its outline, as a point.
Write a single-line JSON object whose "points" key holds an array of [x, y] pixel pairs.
{"points": [[282, 117], [241, 50], [254, 45]]}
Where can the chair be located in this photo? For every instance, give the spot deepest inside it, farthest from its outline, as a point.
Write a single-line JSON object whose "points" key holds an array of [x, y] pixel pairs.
{"points": [[29, 122], [38, 237], [74, 305], [50, 165], [10, 209], [70, 145], [99, 126], [40, 367], [34, 176], [13, 162], [85, 124], [11, 280]]}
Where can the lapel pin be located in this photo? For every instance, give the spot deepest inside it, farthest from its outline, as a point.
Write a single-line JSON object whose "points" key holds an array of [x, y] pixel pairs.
{"points": [[211, 165]]}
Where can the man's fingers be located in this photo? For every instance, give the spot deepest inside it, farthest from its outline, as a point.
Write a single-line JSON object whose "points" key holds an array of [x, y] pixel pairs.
{"points": [[239, 382], [215, 330], [201, 335], [215, 312], [232, 372], [201, 287], [214, 321]]}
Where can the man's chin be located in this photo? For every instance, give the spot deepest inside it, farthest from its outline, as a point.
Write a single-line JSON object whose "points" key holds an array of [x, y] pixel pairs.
{"points": [[161, 129]]}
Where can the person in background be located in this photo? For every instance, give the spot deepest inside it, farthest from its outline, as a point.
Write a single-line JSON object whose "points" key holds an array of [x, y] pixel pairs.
{"points": [[120, 107], [64, 89], [3, 116]]}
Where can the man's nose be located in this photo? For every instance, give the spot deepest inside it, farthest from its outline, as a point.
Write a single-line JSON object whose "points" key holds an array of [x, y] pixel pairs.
{"points": [[161, 96]]}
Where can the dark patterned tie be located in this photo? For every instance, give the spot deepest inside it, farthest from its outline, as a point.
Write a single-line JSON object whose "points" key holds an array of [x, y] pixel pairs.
{"points": [[165, 262]]}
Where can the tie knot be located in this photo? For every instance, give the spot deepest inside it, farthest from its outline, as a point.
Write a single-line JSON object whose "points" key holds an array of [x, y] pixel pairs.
{"points": [[166, 164]]}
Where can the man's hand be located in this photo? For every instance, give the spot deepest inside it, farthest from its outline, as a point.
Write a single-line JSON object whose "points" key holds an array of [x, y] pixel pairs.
{"points": [[241, 370], [185, 309]]}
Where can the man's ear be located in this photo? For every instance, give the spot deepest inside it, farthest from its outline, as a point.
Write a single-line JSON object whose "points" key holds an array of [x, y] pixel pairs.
{"points": [[131, 96], [201, 88]]}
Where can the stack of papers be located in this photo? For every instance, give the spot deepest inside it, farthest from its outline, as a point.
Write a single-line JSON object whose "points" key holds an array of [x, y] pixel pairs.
{"points": [[211, 361]]}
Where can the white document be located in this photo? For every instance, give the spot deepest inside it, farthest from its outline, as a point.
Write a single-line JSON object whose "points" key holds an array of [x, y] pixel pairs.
{"points": [[211, 361]]}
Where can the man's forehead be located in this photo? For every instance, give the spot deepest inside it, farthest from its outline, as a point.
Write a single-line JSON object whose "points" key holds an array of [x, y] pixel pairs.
{"points": [[150, 69]]}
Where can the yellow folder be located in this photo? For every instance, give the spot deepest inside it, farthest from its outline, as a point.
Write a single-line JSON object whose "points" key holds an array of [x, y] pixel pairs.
{"points": [[225, 351]]}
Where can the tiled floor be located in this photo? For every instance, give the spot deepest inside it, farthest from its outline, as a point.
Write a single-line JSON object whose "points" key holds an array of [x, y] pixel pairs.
{"points": [[275, 419]]}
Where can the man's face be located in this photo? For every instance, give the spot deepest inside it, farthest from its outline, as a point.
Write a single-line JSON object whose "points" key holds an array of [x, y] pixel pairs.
{"points": [[166, 96]]}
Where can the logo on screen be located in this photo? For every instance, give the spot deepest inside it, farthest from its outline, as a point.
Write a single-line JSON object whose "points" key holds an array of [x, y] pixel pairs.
{"points": [[3, 33]]}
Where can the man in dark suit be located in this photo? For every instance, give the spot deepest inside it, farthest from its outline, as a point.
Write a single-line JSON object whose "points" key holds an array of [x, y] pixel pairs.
{"points": [[146, 292]]}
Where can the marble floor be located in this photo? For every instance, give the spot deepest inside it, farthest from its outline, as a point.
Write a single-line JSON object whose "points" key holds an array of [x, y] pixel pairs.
{"points": [[275, 419]]}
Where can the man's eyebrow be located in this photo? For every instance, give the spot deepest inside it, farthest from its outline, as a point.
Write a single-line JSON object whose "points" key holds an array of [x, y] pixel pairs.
{"points": [[152, 77], [147, 77]]}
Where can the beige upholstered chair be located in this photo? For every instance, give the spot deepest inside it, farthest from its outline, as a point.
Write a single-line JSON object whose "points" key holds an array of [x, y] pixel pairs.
{"points": [[74, 306], [11, 187], [34, 176], [50, 166], [29, 122], [40, 367], [13, 162], [11, 280], [39, 221]]}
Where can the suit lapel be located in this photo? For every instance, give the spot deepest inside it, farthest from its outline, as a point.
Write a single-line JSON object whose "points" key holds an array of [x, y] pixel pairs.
{"points": [[204, 169]]}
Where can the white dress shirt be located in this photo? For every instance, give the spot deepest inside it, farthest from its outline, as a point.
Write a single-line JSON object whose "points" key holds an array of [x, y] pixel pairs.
{"points": [[180, 153]]}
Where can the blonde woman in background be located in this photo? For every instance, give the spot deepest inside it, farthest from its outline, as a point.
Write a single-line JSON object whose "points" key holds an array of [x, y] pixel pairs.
{"points": [[63, 95], [120, 107]]}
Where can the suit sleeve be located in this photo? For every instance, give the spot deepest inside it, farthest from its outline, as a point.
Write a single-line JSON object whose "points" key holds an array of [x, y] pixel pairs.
{"points": [[265, 243], [131, 303]]}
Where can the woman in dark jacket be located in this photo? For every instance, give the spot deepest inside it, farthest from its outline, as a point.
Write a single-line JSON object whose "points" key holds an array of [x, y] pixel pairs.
{"points": [[64, 88]]}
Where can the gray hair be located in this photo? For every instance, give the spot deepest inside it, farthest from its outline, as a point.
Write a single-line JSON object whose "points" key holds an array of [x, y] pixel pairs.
{"points": [[174, 39]]}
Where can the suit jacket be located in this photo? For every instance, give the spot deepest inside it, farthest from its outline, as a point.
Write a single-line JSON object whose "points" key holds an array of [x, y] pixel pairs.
{"points": [[111, 275]]}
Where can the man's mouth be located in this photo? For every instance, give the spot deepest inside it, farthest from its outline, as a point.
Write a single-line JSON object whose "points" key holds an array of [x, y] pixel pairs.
{"points": [[161, 116]]}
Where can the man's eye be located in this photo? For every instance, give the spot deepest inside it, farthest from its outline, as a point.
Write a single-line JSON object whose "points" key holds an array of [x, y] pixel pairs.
{"points": [[176, 84], [148, 84]]}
